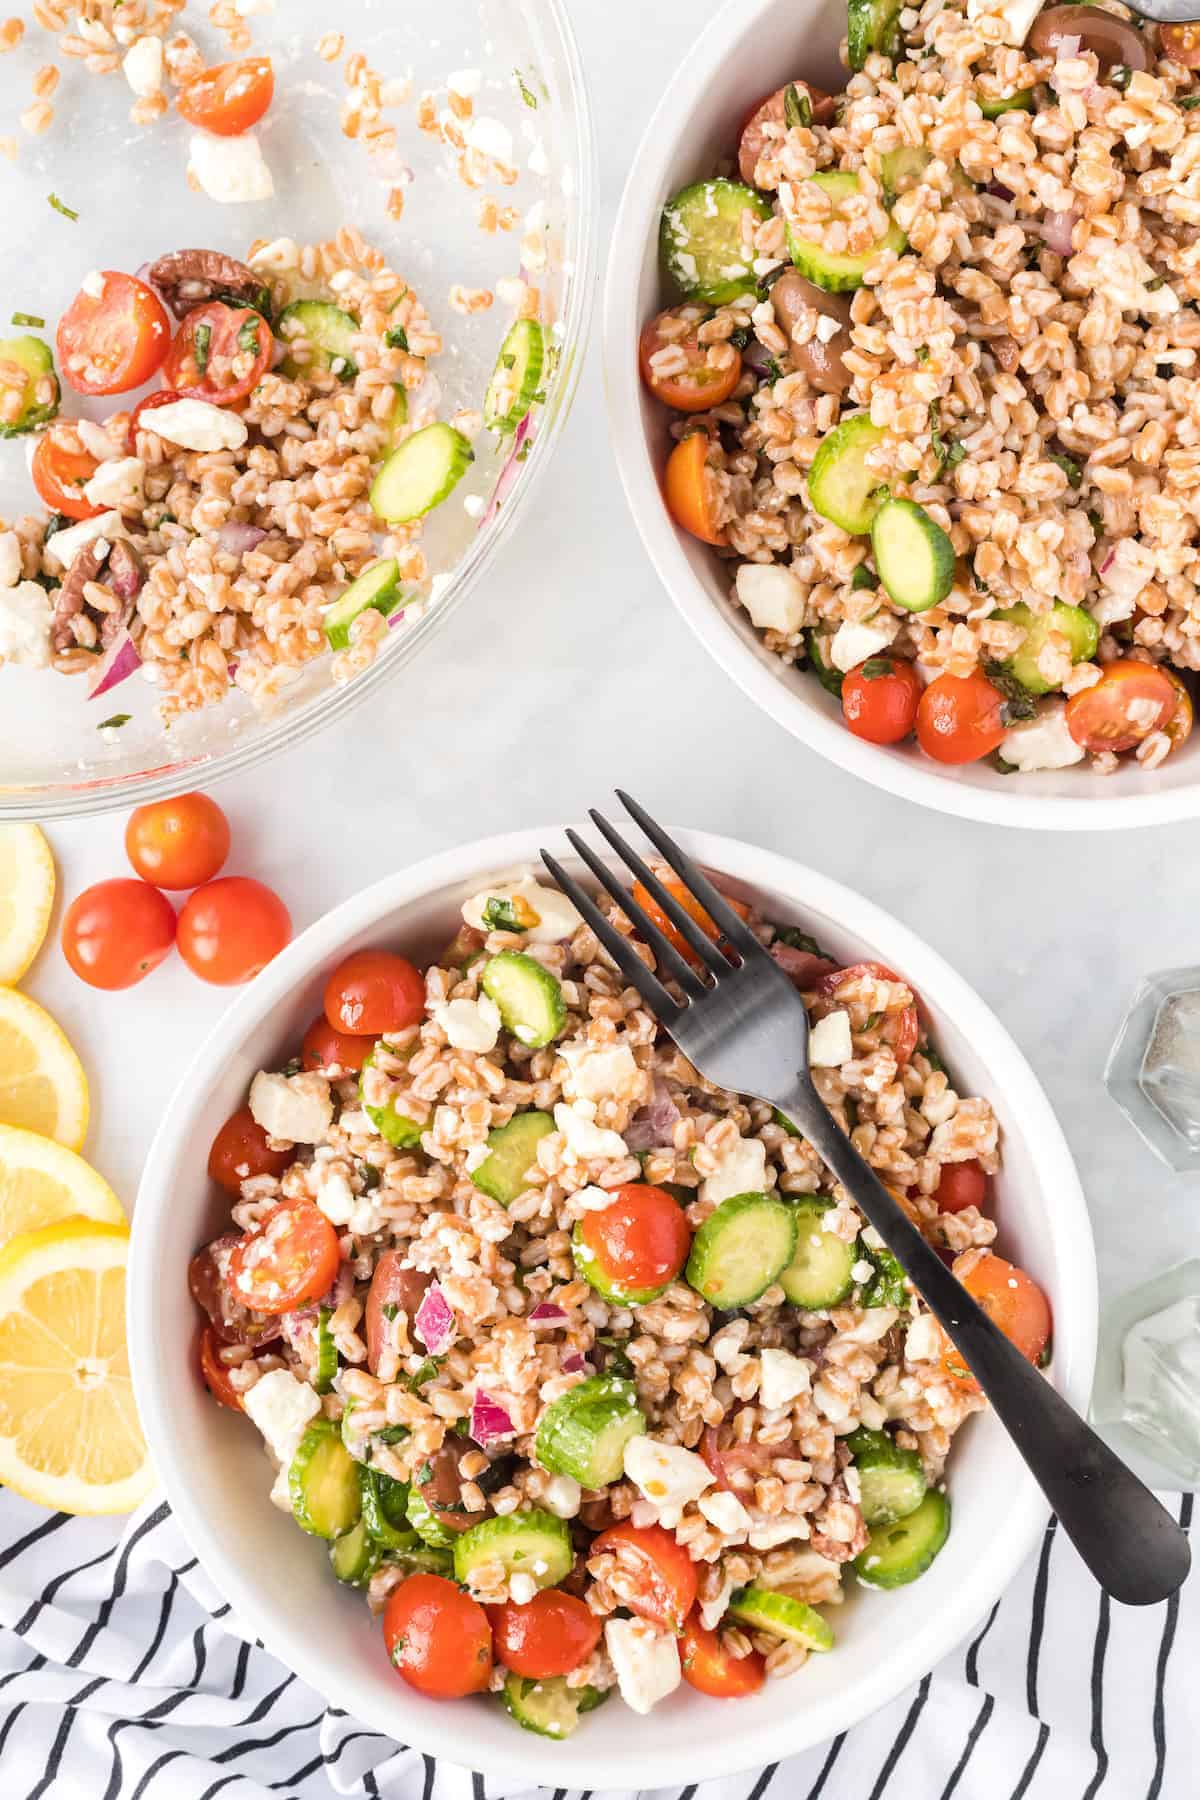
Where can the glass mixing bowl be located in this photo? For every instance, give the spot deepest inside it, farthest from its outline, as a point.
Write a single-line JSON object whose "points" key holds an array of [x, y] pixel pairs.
{"points": [[128, 185]]}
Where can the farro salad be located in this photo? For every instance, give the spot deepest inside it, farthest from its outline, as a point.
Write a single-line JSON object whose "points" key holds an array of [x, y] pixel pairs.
{"points": [[586, 1370], [934, 378]]}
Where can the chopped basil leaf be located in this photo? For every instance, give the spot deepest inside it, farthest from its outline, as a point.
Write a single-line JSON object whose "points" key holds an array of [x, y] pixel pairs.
{"points": [[500, 915], [247, 337], [948, 451], [795, 939], [392, 1434], [28, 319], [1120, 76], [740, 338], [797, 107], [60, 206], [371, 1177], [887, 1286], [1069, 467], [116, 720], [389, 1309], [202, 346], [293, 1067], [863, 577], [1189, 103], [1019, 703], [525, 91], [876, 667]]}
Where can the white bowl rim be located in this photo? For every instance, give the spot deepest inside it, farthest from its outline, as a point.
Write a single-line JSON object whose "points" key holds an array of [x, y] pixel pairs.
{"points": [[587, 1764], [908, 778]]}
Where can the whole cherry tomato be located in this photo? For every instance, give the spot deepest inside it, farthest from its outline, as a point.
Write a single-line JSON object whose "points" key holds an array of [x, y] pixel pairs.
{"points": [[960, 718], [374, 991], [179, 843], [324, 1048], [438, 1638], [638, 1243], [229, 929], [879, 699], [117, 931], [240, 1150], [550, 1635]]}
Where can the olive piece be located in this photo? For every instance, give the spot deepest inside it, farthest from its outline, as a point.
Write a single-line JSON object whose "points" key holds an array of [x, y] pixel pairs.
{"points": [[792, 295], [774, 111], [1114, 42], [440, 1485]]}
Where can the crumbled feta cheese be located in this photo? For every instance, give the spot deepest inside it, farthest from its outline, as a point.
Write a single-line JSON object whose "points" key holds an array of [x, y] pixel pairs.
{"points": [[296, 1109], [469, 1024], [741, 1170], [646, 1662], [93, 282], [230, 169], [281, 1490], [25, 616], [600, 1071], [584, 1137], [772, 596], [10, 559], [827, 328], [466, 83], [1042, 742], [666, 1475], [725, 1512], [118, 482], [65, 546], [562, 1495], [1018, 15], [853, 644], [783, 1377], [829, 1044], [143, 66], [199, 425], [281, 1407], [923, 1340], [778, 1531], [522, 1587], [490, 138], [543, 914], [360, 1214]]}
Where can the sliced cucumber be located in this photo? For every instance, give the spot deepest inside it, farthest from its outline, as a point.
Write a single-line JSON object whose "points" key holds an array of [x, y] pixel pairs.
{"points": [[902, 169], [530, 999], [549, 1706], [532, 1543], [839, 272], [701, 240], [1020, 101], [427, 1526], [512, 1150], [914, 556], [33, 359], [765, 1610], [891, 1481], [831, 680], [355, 1556], [898, 1553], [383, 1511], [873, 25], [397, 419], [517, 376], [741, 1249], [423, 1559], [377, 587], [819, 1274], [584, 1432], [395, 1128], [418, 476], [327, 1358], [328, 335], [840, 485], [612, 1291], [324, 1482], [1078, 627]]}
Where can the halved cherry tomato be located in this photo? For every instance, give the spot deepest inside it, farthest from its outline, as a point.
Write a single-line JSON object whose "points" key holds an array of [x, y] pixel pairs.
{"points": [[438, 1638], [1011, 1298], [324, 1048], [688, 488], [759, 1459], [641, 1241], [219, 354], [164, 397], [900, 1030], [697, 386], [374, 991], [1130, 700], [960, 718], [1179, 726], [240, 1149], [113, 340], [1181, 43], [709, 1667], [551, 1635], [60, 468], [291, 1257], [229, 929], [752, 137], [961, 1184], [692, 907], [178, 843], [114, 933], [879, 699], [664, 1587], [229, 98], [215, 1373]]}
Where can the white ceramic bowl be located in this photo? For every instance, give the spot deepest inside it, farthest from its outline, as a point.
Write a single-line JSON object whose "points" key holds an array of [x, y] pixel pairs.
{"points": [[278, 1581], [749, 49]]}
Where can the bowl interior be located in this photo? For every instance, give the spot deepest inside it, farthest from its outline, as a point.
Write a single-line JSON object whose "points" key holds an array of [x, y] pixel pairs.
{"points": [[129, 188], [279, 1582]]}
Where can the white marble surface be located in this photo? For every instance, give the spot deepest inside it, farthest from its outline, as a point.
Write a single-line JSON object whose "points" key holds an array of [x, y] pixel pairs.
{"points": [[570, 672]]}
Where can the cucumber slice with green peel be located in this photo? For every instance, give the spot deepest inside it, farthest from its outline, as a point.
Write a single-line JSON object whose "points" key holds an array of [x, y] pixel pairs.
{"points": [[528, 996], [383, 1511], [703, 249], [512, 1150], [914, 556], [327, 1358], [355, 1556], [840, 272], [741, 1249], [584, 1432], [765, 1610], [397, 419], [831, 680], [327, 334], [898, 1553], [1020, 101], [1078, 627], [377, 587], [423, 1559], [28, 356], [819, 1274], [427, 1526], [549, 1706], [422, 473], [614, 1292], [324, 1483], [532, 1543], [395, 1128], [902, 169], [873, 25], [891, 1480], [516, 378], [841, 487]]}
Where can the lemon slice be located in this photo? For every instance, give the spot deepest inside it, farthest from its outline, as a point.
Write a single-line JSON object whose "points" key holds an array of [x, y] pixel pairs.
{"points": [[42, 1184], [42, 1084], [69, 1432], [26, 898]]}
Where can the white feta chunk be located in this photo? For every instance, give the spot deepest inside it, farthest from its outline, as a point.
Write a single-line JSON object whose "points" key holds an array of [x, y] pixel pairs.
{"points": [[829, 1044], [646, 1662], [666, 1475], [10, 559], [469, 1024], [466, 83], [853, 644], [232, 170], [1018, 15], [586, 1139], [600, 1071], [772, 596], [143, 66], [923, 1341], [93, 284], [65, 546], [118, 483], [1042, 742], [543, 914], [491, 138], [562, 1495], [779, 1531], [742, 1170], [199, 425], [282, 1408], [296, 1109], [783, 1377], [25, 616], [725, 1513]]}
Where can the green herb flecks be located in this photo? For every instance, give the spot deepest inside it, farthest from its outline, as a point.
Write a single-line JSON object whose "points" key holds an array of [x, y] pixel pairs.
{"points": [[526, 92], [1120, 76], [28, 319], [371, 1177], [797, 107], [396, 338], [948, 450], [117, 720], [888, 1286], [202, 346], [1189, 103], [863, 577], [795, 939], [1019, 703], [500, 915], [774, 370], [247, 337], [1069, 467], [876, 667], [60, 206]]}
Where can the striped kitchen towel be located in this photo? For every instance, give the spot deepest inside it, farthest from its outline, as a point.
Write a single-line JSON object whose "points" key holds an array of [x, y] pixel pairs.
{"points": [[123, 1676]]}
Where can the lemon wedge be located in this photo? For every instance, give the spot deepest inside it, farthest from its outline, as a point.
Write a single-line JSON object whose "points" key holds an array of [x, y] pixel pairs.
{"points": [[42, 1084], [26, 898], [69, 1432], [42, 1184]]}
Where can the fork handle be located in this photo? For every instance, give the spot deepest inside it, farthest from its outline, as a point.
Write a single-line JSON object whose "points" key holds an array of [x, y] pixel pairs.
{"points": [[1130, 1543]]}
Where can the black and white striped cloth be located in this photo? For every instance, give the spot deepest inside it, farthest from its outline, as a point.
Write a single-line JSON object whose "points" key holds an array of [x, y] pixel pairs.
{"points": [[124, 1677]]}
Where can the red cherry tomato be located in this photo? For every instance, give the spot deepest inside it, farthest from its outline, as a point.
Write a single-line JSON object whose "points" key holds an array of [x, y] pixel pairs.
{"points": [[438, 1638], [290, 1258], [229, 98], [549, 1636], [178, 843], [694, 910], [961, 1184], [60, 468], [215, 1373], [664, 1575], [114, 340], [688, 489], [208, 1284], [229, 929], [138, 421], [1181, 43], [697, 386], [240, 1149], [117, 931], [219, 354], [879, 699], [1130, 700], [710, 1668], [374, 991], [960, 718], [640, 1242], [1179, 726], [899, 1030], [1011, 1298], [324, 1048]]}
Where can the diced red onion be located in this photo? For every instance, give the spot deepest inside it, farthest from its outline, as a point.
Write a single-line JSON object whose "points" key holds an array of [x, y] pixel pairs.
{"points": [[119, 662], [653, 1125], [1056, 228], [394, 619], [1066, 47], [802, 967], [548, 1313], [575, 1364], [434, 1323], [489, 1421], [235, 539], [508, 474], [757, 357], [1108, 559]]}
